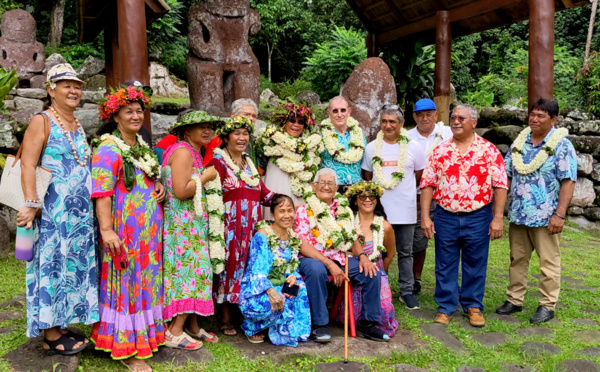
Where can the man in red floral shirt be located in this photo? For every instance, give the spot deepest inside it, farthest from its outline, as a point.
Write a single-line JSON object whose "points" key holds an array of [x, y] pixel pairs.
{"points": [[467, 178]]}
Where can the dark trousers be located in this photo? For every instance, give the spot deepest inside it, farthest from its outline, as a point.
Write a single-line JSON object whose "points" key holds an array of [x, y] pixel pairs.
{"points": [[315, 277], [461, 238], [404, 246]]}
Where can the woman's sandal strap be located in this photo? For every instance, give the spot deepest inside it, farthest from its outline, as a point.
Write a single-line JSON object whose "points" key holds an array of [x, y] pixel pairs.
{"points": [[67, 342]]}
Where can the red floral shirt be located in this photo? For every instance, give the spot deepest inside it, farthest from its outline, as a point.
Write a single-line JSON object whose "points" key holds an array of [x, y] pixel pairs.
{"points": [[464, 183], [302, 230]]}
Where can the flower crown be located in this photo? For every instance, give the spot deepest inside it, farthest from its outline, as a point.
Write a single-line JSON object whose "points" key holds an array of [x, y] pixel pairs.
{"points": [[283, 112], [363, 186], [121, 98], [233, 124]]}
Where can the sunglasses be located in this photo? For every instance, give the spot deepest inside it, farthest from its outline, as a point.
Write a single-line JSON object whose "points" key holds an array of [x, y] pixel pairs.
{"points": [[460, 119], [392, 107], [336, 111], [365, 197], [294, 121]]}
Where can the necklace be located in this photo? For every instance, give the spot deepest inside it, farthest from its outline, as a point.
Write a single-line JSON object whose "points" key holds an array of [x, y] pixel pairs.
{"points": [[73, 149], [216, 223], [541, 157], [252, 180], [438, 137], [334, 147], [377, 230], [140, 155], [398, 175], [281, 269], [331, 232]]}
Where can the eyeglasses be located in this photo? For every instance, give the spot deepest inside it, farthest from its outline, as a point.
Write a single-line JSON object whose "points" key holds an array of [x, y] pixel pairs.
{"points": [[294, 121], [337, 111], [364, 197], [329, 184], [460, 119], [392, 107]]}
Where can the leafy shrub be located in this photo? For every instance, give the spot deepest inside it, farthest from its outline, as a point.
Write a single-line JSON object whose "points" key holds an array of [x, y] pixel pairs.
{"points": [[588, 82], [77, 53], [332, 62]]}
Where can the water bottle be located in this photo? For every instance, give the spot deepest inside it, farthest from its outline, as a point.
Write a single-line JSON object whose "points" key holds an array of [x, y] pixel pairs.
{"points": [[24, 243]]}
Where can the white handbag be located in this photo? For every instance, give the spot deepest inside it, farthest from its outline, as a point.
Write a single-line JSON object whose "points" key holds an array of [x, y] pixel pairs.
{"points": [[11, 192]]}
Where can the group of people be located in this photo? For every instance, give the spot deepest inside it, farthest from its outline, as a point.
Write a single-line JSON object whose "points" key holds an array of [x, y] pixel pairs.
{"points": [[236, 221]]}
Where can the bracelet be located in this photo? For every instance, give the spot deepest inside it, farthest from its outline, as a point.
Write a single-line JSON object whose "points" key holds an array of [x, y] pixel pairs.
{"points": [[366, 255], [559, 216], [33, 204]]}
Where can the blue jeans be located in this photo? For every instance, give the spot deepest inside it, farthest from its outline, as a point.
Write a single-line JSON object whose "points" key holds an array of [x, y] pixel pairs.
{"points": [[315, 277], [461, 238]]}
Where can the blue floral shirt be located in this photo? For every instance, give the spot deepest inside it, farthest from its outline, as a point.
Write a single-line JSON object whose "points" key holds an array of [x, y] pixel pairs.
{"points": [[534, 196], [347, 174]]}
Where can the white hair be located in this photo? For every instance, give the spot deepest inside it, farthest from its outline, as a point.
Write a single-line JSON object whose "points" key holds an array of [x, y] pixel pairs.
{"points": [[326, 172], [338, 98], [472, 110], [238, 104]]}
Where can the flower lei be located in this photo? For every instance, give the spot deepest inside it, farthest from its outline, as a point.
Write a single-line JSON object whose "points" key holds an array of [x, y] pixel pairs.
{"points": [[377, 229], [438, 138], [121, 98], [198, 197], [398, 175], [332, 233], [299, 157], [252, 180], [140, 156], [336, 150], [281, 269], [216, 223], [542, 155]]}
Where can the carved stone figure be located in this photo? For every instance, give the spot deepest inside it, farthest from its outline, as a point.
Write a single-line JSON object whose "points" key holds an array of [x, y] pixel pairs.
{"points": [[19, 48], [221, 66]]}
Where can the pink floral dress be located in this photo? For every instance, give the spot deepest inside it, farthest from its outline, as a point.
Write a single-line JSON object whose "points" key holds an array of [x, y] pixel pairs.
{"points": [[186, 259]]}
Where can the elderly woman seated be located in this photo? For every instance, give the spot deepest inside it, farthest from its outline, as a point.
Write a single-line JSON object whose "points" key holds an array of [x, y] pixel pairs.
{"points": [[273, 295], [325, 226]]}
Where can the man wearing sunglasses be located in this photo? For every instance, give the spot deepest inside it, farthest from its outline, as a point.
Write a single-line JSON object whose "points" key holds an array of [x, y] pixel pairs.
{"points": [[396, 162], [428, 134], [467, 178]]}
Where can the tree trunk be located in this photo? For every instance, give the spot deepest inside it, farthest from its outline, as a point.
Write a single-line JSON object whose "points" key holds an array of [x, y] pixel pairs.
{"points": [[590, 31], [269, 53], [56, 23]]}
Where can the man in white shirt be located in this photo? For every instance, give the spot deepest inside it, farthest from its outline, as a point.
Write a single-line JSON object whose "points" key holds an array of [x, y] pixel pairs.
{"points": [[396, 163], [428, 134]]}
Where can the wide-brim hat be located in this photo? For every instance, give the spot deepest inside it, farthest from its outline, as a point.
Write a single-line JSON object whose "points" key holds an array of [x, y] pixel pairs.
{"points": [[62, 71], [196, 117]]}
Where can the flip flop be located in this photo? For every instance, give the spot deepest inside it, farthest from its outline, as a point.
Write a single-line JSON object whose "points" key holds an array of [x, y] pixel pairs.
{"points": [[253, 341], [227, 327], [203, 336], [183, 342]]}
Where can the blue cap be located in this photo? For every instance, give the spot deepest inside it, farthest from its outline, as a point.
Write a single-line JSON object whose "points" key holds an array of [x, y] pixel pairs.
{"points": [[424, 104]]}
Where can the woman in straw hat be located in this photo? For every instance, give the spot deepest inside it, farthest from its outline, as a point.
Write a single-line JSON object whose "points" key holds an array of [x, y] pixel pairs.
{"points": [[61, 278]]}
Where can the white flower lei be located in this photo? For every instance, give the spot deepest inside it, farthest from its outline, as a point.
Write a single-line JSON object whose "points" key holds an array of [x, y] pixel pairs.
{"points": [[398, 175], [251, 181], [299, 157], [198, 197], [438, 137], [542, 155], [216, 223], [336, 150], [330, 232], [293, 243], [377, 229], [147, 164]]}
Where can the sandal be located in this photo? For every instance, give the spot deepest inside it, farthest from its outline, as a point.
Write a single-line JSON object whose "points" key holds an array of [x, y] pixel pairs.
{"points": [[127, 365], [77, 336], [67, 342], [183, 341], [203, 336], [228, 327], [256, 341]]}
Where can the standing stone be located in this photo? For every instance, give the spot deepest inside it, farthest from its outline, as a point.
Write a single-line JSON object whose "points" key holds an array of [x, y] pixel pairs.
{"points": [[584, 164], [308, 98], [369, 87], [19, 48], [584, 195], [221, 66], [162, 84], [53, 60], [90, 67]]}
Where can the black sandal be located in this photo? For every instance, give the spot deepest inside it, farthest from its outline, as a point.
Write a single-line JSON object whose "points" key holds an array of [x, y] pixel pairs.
{"points": [[77, 336], [228, 327], [66, 341]]}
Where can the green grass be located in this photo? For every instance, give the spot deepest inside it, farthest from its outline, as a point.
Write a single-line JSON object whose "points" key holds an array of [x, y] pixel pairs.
{"points": [[580, 254], [176, 100]]}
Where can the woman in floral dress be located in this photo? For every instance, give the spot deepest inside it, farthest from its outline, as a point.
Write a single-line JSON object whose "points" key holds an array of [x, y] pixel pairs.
{"points": [[187, 268], [371, 224], [127, 194], [243, 193]]}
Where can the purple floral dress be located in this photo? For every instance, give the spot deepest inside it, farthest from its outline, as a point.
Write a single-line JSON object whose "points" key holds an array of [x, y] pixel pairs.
{"points": [[186, 259], [242, 212]]}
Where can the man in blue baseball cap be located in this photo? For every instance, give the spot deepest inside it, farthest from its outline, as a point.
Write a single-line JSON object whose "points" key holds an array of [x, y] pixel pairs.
{"points": [[428, 134]]}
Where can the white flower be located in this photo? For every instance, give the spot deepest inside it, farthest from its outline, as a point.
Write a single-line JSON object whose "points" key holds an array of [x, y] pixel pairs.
{"points": [[251, 181], [541, 157], [378, 246], [377, 167], [438, 137], [216, 221], [198, 197], [328, 226], [336, 150]]}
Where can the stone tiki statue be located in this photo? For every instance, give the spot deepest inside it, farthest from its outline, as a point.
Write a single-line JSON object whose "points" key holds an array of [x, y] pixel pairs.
{"points": [[19, 48], [221, 66]]}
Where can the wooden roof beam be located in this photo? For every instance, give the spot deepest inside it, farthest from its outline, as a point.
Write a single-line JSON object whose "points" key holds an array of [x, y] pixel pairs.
{"points": [[395, 10], [568, 3], [361, 16], [457, 14]]}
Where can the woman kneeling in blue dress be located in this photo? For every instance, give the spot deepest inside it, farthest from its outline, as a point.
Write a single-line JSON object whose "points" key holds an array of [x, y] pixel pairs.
{"points": [[273, 295]]}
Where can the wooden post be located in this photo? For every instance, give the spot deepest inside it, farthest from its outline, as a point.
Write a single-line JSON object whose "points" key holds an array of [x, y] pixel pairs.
{"points": [[372, 45], [111, 51], [443, 49], [541, 50], [133, 45]]}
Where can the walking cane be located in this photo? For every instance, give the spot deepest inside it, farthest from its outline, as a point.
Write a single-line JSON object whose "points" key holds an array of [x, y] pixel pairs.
{"points": [[346, 294]]}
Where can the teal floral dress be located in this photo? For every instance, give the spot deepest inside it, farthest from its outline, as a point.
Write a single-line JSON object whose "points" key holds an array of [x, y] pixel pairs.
{"points": [[62, 277], [187, 269]]}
